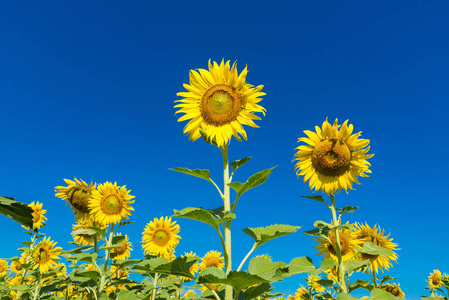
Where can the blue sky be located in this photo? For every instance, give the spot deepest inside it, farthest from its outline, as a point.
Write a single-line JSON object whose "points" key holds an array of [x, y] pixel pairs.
{"points": [[87, 90]]}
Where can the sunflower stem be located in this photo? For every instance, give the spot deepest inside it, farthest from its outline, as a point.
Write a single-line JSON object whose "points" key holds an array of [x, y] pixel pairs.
{"points": [[246, 257], [341, 267], [106, 259], [227, 224], [38, 286], [156, 276]]}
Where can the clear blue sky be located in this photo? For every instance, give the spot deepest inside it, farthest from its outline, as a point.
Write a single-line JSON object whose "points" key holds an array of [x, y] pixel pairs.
{"points": [[87, 90]]}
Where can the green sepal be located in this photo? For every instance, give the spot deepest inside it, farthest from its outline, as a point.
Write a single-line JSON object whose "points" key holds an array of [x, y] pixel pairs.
{"points": [[372, 249], [17, 211], [207, 216], [261, 235], [237, 279], [253, 181], [238, 163], [204, 174]]}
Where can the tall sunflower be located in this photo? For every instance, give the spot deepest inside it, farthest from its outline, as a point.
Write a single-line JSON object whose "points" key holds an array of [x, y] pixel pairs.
{"points": [[212, 259], [111, 203], [218, 103], [348, 242], [435, 279], [38, 214], [160, 237], [376, 235], [124, 251], [45, 255], [77, 194], [333, 157]]}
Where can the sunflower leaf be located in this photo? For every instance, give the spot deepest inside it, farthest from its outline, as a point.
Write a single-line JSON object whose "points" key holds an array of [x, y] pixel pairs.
{"points": [[387, 278], [358, 284], [261, 235], [117, 239], [318, 198], [18, 211], [356, 264], [265, 268], [372, 249], [344, 296], [204, 215], [204, 174], [347, 209], [256, 291], [302, 265], [378, 294], [237, 279], [178, 267], [83, 231], [253, 181], [238, 163]]}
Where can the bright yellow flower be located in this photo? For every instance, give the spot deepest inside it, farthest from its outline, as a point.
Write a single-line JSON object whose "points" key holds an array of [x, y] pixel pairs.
{"points": [[394, 289], [38, 214], [44, 255], [3, 267], [78, 194], [86, 223], [111, 203], [212, 259], [312, 280], [333, 158], [124, 251], [160, 237], [301, 294], [376, 236], [435, 279], [348, 242], [219, 102]]}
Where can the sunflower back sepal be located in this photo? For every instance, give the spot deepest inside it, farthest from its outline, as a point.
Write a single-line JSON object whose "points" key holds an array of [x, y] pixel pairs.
{"points": [[212, 141]]}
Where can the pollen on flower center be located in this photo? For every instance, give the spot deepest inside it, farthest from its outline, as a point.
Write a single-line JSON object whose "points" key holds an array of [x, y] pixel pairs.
{"points": [[161, 237], [43, 256], [112, 204], [331, 157], [220, 105], [79, 198]]}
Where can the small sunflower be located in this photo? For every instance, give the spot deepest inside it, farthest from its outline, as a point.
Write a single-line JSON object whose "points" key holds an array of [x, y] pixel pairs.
{"points": [[394, 289], [348, 242], [312, 280], [196, 266], [219, 102], [78, 194], [38, 214], [160, 237], [333, 158], [45, 256], [212, 259], [3, 267], [86, 223], [111, 203], [124, 251], [301, 294], [435, 279], [377, 237]]}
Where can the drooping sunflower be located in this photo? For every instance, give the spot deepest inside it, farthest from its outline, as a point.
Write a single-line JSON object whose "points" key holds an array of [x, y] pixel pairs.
{"points": [[3, 267], [85, 240], [376, 236], [312, 280], [111, 203], [333, 157], [38, 214], [348, 242], [218, 103], [45, 255], [160, 237], [77, 194], [394, 289], [435, 279], [212, 259], [124, 251]]}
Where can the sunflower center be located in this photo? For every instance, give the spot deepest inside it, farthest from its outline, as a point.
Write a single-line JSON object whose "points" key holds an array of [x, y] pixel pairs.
{"points": [[43, 256], [331, 157], [121, 249], [435, 280], [112, 204], [213, 264], [79, 198], [2, 269], [220, 105], [161, 237], [36, 217]]}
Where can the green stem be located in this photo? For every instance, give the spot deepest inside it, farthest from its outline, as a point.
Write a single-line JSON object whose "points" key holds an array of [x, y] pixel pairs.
{"points": [[246, 257], [227, 225], [106, 259], [156, 276], [38, 286], [341, 267]]}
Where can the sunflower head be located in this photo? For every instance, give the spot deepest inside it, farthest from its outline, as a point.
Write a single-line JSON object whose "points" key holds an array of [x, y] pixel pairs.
{"points": [[301, 294], [212, 259], [160, 237], [435, 279], [3, 267], [86, 223], [38, 214], [312, 280], [44, 255], [333, 157], [77, 193], [218, 102], [124, 251], [394, 289], [376, 236], [111, 203]]}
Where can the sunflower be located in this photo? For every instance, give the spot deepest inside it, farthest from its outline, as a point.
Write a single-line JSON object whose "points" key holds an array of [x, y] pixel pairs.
{"points": [[394, 289], [377, 237], [160, 237], [86, 223], [3, 267], [38, 214], [312, 280], [111, 203], [16, 280], [301, 293], [16, 266], [123, 252], [435, 279], [219, 102], [348, 242], [333, 158], [44, 255], [212, 259], [77, 194]]}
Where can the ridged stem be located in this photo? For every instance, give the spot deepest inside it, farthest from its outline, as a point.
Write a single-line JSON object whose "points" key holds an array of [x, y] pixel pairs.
{"points": [[341, 267]]}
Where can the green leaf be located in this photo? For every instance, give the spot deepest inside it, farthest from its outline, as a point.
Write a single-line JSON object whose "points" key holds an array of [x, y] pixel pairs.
{"points": [[87, 257], [344, 296], [204, 174], [117, 239], [347, 209], [387, 278], [358, 284], [89, 274], [178, 267], [17, 211], [237, 279], [204, 215], [238, 163], [378, 294], [84, 231], [252, 182], [301, 265], [256, 291], [261, 235], [372, 249], [356, 264], [265, 268], [126, 295], [21, 287], [318, 198]]}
